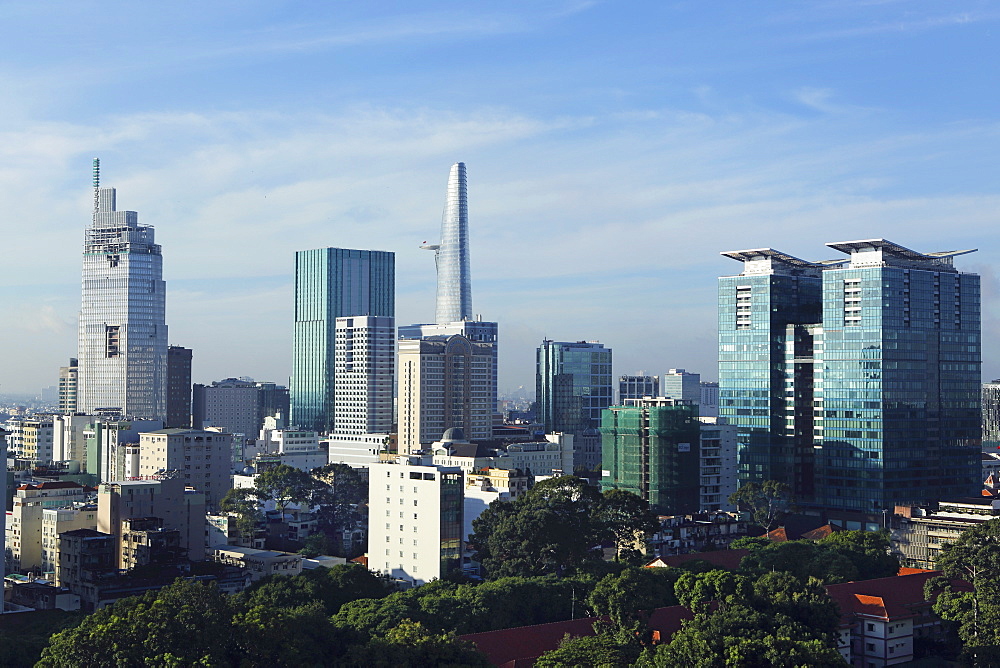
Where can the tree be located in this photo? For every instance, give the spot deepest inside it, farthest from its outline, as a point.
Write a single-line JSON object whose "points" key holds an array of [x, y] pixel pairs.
{"points": [[768, 502], [332, 587], [183, 624], [556, 528], [631, 522], [975, 558], [627, 597], [285, 484], [241, 503], [840, 557], [410, 644], [599, 650], [869, 551]]}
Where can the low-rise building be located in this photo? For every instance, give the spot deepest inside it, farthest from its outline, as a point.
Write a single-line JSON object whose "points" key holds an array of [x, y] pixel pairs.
{"points": [[918, 534], [258, 563], [201, 457], [699, 532]]}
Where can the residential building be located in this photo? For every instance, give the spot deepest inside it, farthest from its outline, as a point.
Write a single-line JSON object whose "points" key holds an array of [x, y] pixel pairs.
{"points": [[717, 464], [86, 558], [69, 441], [24, 528], [698, 532], [144, 542], [357, 451], [451, 256], [295, 447], [200, 458], [572, 385], [67, 387], [444, 382], [58, 520], [415, 521], [122, 355], [550, 457], [36, 441], [331, 283], [181, 508], [855, 381], [682, 385], [637, 387], [178, 387]]}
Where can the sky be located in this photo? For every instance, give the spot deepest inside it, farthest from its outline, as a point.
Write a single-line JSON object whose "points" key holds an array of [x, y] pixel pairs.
{"points": [[614, 149]]}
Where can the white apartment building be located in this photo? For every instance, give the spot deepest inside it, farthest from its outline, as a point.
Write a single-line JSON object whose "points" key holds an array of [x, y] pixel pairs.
{"points": [[57, 520], [415, 520], [69, 442], [357, 451], [553, 456], [202, 458], [718, 465]]}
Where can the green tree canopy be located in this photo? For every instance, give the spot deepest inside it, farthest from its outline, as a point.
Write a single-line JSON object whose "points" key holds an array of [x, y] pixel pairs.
{"points": [[285, 484], [556, 528], [769, 502]]}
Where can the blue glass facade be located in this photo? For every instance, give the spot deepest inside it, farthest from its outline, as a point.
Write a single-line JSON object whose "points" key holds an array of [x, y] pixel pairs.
{"points": [[331, 283], [572, 385], [856, 382]]}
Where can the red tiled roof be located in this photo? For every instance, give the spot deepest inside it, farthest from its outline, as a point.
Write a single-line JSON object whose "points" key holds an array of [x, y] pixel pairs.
{"points": [[821, 532], [727, 559], [513, 648], [904, 570], [60, 484], [778, 535], [888, 598]]}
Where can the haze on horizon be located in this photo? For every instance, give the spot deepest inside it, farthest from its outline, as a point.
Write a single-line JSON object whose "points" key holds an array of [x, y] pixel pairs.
{"points": [[613, 150]]}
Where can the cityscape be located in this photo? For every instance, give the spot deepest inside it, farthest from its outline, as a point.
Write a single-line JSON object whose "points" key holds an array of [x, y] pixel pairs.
{"points": [[606, 421]]}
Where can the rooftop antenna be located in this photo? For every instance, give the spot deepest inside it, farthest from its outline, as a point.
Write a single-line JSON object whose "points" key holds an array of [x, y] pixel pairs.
{"points": [[97, 186]]}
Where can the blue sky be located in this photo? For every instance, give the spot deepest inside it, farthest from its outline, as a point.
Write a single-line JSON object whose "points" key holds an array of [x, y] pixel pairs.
{"points": [[613, 148]]}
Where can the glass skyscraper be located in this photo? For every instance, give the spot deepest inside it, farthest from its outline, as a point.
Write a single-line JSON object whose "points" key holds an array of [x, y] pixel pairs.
{"points": [[331, 283], [572, 385], [451, 256], [122, 345], [856, 381]]}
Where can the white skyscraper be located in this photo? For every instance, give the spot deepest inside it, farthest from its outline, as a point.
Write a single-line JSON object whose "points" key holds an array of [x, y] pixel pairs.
{"points": [[451, 256], [122, 353], [364, 361]]}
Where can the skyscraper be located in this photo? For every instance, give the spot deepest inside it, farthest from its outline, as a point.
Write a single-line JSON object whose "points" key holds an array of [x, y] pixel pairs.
{"points": [[572, 385], [451, 256], [855, 381], [122, 352], [67, 387], [365, 360], [331, 283], [178, 387]]}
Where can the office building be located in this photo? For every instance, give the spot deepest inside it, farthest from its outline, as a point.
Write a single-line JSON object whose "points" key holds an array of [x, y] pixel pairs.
{"points": [[331, 283], [682, 385], [637, 387], [415, 521], [478, 331], [855, 381], [178, 387], [709, 404], [238, 405], [444, 382], [122, 353], [67, 387], [364, 372], [991, 414], [110, 446], [451, 256], [572, 385], [201, 459]]}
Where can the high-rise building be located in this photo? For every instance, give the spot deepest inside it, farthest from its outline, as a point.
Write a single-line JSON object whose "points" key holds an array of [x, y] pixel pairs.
{"points": [[991, 413], [709, 404], [451, 256], [331, 283], [200, 458], [855, 381], [122, 350], [683, 385], [572, 385], [443, 383], [637, 387], [178, 387], [67, 387], [364, 372], [477, 331]]}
